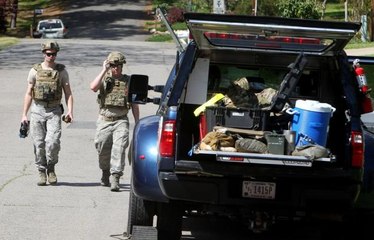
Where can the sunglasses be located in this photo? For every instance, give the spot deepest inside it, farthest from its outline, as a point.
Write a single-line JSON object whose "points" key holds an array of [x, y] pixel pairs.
{"points": [[51, 54], [114, 65]]}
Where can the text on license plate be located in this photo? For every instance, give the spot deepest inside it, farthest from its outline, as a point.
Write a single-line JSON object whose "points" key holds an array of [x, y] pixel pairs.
{"points": [[263, 190]]}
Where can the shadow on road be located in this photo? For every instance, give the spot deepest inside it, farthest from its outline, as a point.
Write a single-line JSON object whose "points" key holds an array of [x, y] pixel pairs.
{"points": [[106, 20], [124, 187]]}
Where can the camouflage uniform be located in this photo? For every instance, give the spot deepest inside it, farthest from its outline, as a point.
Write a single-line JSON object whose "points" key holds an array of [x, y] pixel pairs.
{"points": [[112, 132], [47, 82], [45, 122]]}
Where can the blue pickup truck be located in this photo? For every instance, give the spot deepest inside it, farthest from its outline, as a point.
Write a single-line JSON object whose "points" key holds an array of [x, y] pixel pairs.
{"points": [[288, 89]]}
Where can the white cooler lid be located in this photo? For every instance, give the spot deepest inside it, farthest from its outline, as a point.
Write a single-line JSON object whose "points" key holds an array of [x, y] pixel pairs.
{"points": [[314, 106]]}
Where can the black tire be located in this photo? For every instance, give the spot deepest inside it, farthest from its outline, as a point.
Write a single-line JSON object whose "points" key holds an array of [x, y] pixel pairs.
{"points": [[141, 212], [169, 221]]}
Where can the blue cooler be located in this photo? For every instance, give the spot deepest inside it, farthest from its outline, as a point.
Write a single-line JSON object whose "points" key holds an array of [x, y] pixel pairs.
{"points": [[311, 122]]}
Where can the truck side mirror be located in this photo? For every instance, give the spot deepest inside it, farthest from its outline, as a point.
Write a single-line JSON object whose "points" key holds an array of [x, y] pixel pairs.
{"points": [[138, 89]]}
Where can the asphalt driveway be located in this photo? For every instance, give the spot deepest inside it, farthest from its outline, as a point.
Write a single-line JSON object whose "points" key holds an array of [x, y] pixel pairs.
{"points": [[107, 19]]}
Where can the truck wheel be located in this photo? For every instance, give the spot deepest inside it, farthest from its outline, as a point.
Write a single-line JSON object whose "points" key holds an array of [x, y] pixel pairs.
{"points": [[169, 221], [141, 212]]}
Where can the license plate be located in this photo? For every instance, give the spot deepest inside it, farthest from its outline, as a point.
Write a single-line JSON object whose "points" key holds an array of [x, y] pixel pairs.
{"points": [[263, 190]]}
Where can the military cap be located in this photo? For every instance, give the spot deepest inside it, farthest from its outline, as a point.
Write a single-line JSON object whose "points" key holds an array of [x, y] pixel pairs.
{"points": [[50, 45], [116, 58]]}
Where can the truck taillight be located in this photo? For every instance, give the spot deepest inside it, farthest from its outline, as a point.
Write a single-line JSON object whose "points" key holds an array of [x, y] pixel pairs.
{"points": [[167, 139], [357, 144]]}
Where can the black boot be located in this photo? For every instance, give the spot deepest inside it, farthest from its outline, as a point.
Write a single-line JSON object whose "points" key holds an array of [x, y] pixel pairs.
{"points": [[52, 178], [105, 178]]}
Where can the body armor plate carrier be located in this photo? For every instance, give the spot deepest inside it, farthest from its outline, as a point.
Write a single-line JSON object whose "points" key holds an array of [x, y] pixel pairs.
{"points": [[114, 92], [48, 87]]}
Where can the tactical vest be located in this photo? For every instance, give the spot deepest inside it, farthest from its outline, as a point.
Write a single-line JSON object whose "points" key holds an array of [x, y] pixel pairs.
{"points": [[48, 88], [114, 92]]}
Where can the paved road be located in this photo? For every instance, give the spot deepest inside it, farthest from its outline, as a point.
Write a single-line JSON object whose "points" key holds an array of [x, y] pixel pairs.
{"points": [[78, 207], [360, 51], [107, 19]]}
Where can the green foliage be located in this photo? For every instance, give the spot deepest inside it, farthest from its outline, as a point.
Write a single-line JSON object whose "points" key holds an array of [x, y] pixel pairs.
{"points": [[160, 2], [202, 6], [359, 8], [298, 9], [175, 14], [160, 38], [267, 8], [242, 7], [334, 11], [160, 27], [354, 44], [179, 26]]}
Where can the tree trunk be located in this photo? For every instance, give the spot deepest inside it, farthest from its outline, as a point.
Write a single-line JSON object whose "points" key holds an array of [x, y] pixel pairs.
{"points": [[323, 9]]}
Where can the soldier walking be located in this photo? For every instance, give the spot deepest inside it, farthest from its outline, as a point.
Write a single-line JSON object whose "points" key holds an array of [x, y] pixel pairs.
{"points": [[112, 132], [46, 82]]}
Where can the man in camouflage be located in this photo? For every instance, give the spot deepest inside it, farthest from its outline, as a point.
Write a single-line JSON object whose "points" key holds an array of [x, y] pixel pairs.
{"points": [[46, 83], [112, 132]]}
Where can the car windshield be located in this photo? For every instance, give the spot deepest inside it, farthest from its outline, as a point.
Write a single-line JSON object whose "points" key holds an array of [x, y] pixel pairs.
{"points": [[49, 25]]}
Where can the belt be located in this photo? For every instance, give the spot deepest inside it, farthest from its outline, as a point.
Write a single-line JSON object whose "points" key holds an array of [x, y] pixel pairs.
{"points": [[111, 119]]}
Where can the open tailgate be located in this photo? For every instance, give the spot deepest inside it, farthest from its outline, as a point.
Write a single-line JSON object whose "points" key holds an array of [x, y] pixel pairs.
{"points": [[217, 31]]}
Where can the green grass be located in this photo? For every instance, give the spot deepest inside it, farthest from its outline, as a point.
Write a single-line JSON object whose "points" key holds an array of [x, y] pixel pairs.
{"points": [[159, 26], [160, 38], [334, 11], [179, 26], [355, 45], [7, 41]]}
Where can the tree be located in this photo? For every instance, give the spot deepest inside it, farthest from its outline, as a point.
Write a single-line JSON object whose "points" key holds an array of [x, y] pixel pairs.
{"points": [[13, 13], [359, 8], [323, 8], [298, 9], [267, 8], [240, 7]]}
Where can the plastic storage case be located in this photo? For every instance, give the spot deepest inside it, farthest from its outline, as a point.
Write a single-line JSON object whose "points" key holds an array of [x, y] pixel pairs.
{"points": [[254, 119]]}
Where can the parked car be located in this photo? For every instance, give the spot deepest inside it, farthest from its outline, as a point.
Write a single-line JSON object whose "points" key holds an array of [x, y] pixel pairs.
{"points": [[51, 28], [316, 96]]}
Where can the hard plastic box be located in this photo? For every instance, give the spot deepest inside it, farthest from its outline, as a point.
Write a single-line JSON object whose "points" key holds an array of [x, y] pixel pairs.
{"points": [[276, 143], [255, 119]]}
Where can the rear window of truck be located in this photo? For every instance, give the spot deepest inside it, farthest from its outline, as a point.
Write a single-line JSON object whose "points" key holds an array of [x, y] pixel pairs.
{"points": [[221, 78]]}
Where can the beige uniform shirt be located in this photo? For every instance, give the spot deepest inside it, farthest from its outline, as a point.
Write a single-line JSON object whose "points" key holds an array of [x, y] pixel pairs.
{"points": [[64, 76]]}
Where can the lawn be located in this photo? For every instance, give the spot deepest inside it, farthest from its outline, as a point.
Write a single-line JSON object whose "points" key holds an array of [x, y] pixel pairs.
{"points": [[7, 41], [334, 12]]}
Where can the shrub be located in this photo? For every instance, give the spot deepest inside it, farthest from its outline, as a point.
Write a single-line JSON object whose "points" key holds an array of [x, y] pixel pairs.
{"points": [[175, 15]]}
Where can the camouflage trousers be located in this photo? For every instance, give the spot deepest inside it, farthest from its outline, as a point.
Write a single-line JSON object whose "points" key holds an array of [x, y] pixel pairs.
{"points": [[45, 131], [111, 141]]}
